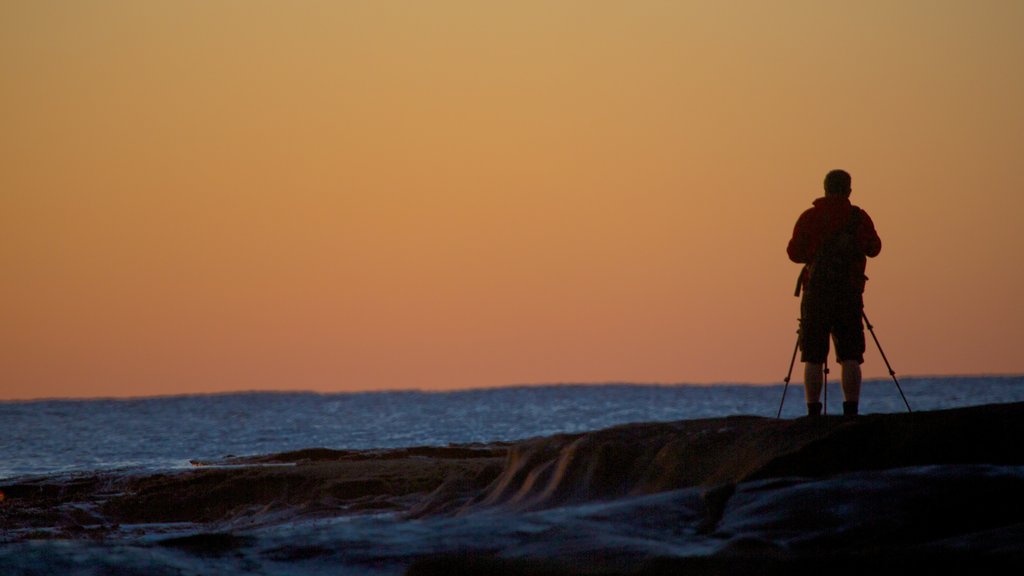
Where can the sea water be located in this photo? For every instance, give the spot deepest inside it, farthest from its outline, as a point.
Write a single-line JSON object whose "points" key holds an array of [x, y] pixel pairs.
{"points": [[152, 434]]}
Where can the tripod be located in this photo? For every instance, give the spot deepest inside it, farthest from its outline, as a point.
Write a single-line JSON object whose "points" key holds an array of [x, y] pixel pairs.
{"points": [[792, 361]]}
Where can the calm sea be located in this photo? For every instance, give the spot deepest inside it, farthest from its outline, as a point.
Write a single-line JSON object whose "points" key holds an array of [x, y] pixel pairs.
{"points": [[65, 436]]}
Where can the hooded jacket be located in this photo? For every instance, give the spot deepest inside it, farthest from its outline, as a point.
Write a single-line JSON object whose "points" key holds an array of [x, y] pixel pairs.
{"points": [[829, 215]]}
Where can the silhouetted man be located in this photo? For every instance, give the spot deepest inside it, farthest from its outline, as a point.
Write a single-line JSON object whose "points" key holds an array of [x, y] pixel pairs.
{"points": [[832, 239]]}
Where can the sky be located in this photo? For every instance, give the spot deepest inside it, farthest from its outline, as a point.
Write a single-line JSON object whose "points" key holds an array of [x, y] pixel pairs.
{"points": [[211, 196]]}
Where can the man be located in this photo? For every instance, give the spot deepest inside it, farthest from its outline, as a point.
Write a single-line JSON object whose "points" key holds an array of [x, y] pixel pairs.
{"points": [[832, 239]]}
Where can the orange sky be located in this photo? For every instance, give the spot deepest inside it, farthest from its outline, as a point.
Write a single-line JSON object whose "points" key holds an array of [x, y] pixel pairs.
{"points": [[204, 196]]}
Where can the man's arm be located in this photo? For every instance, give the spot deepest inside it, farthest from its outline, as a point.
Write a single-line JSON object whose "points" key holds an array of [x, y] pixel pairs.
{"points": [[868, 238], [799, 245]]}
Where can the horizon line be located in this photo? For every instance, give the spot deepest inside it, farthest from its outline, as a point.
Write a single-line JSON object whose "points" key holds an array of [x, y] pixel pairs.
{"points": [[564, 384]]}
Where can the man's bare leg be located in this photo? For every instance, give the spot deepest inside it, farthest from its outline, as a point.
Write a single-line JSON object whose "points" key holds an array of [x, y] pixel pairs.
{"points": [[851, 387], [813, 380]]}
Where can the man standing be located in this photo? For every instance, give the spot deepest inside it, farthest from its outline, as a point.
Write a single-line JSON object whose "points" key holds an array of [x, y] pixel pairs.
{"points": [[833, 240]]}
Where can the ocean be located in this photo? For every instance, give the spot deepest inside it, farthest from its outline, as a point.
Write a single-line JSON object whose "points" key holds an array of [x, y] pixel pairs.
{"points": [[166, 433]]}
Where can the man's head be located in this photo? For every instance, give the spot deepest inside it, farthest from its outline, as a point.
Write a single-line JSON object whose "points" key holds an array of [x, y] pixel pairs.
{"points": [[837, 183]]}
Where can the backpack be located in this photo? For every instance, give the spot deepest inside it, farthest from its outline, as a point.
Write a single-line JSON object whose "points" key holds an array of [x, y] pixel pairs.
{"points": [[829, 272]]}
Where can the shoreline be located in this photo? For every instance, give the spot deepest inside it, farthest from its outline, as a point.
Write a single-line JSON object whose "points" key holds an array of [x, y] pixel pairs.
{"points": [[796, 492]]}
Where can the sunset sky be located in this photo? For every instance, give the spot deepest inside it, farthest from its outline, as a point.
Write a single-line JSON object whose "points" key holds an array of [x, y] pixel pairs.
{"points": [[206, 196]]}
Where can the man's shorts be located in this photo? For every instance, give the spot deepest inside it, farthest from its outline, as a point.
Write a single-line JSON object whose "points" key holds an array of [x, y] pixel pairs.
{"points": [[839, 316]]}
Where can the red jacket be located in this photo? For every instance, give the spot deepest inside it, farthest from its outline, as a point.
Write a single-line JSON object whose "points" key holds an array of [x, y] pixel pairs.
{"points": [[828, 216]]}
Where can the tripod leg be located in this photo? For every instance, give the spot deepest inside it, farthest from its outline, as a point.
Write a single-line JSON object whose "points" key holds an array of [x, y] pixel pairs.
{"points": [[824, 388], [789, 374], [887, 365]]}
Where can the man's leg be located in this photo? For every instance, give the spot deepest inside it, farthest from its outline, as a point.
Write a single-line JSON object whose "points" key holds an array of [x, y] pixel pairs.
{"points": [[813, 379], [850, 352], [851, 387], [814, 323], [814, 330]]}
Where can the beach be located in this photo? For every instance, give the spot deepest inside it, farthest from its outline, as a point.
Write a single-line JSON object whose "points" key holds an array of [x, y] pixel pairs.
{"points": [[740, 494]]}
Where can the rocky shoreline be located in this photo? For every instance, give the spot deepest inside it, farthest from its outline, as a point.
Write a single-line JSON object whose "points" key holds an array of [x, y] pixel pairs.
{"points": [[739, 494]]}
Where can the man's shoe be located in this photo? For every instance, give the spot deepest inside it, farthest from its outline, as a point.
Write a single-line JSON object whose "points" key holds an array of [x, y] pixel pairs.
{"points": [[849, 408]]}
